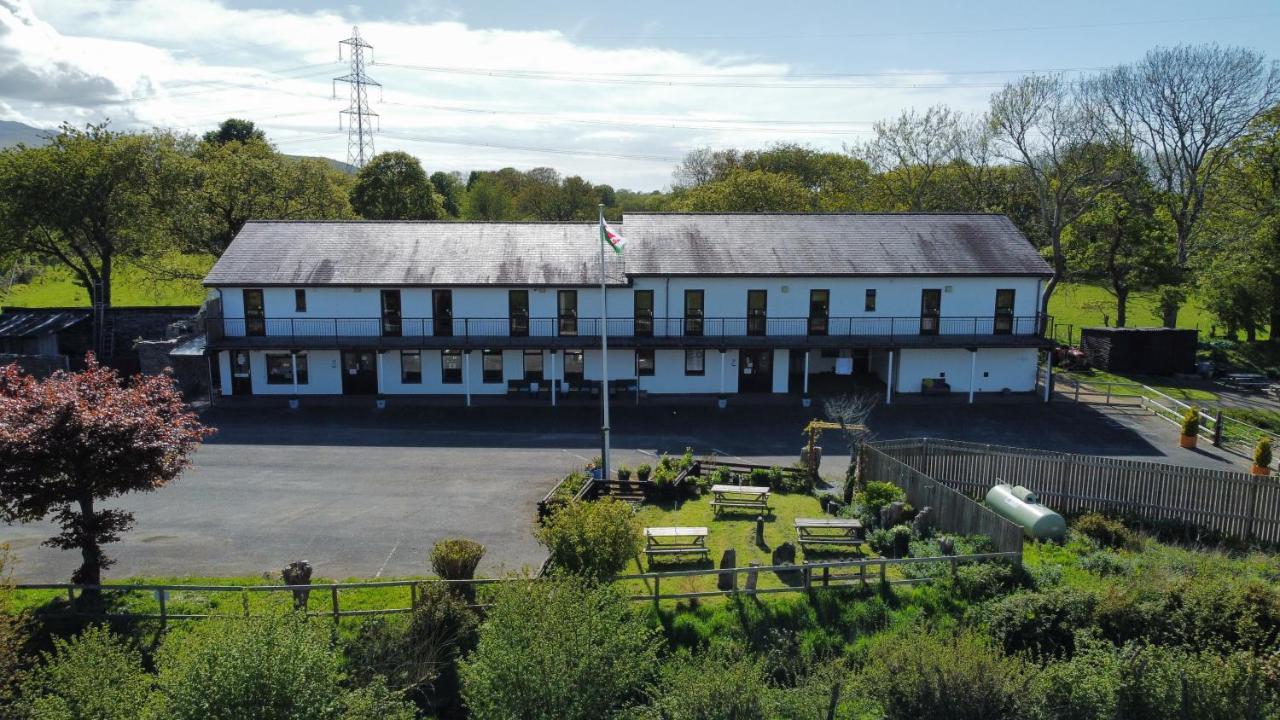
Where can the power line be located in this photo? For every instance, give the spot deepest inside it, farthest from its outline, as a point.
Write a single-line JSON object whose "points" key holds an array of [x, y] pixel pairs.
{"points": [[359, 116], [525, 148], [734, 75]]}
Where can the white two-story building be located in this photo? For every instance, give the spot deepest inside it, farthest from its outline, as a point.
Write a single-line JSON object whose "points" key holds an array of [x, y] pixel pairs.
{"points": [[714, 304]]}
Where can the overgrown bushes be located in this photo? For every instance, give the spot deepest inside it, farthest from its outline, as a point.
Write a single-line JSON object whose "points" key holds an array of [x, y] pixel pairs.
{"points": [[593, 539], [1107, 532], [456, 558], [94, 675]]}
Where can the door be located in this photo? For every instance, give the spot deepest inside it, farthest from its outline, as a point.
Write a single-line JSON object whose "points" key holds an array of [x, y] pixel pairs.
{"points": [[644, 313], [518, 312], [795, 372], [1004, 312], [819, 311], [930, 310], [757, 305], [442, 313], [567, 311], [359, 372], [255, 317], [391, 321], [573, 368], [693, 312], [755, 371], [241, 375]]}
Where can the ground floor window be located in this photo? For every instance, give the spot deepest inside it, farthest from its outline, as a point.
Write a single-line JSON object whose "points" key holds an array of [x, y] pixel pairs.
{"points": [[574, 369], [280, 369], [645, 364], [695, 362], [533, 365], [492, 366], [451, 367], [411, 367]]}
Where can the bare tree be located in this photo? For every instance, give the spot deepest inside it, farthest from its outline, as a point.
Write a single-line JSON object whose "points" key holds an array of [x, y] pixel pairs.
{"points": [[907, 153], [1039, 125], [975, 153], [851, 413], [1180, 108]]}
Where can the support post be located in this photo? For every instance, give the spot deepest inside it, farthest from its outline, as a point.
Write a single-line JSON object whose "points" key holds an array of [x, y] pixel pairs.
{"points": [[380, 353], [806, 372], [466, 374], [1048, 374], [293, 365], [973, 372], [553, 378], [888, 391]]}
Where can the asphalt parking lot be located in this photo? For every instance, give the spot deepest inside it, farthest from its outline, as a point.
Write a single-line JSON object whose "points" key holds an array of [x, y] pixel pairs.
{"points": [[363, 493]]}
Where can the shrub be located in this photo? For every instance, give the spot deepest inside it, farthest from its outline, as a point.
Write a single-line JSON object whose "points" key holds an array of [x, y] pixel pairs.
{"points": [[417, 655], [1106, 532], [456, 558], [686, 459], [1040, 622], [267, 668], [759, 477], [374, 702], [643, 471], [723, 682], [94, 675], [12, 632], [1262, 452], [979, 581], [624, 473], [922, 675], [1191, 421], [592, 539], [559, 650], [875, 496]]}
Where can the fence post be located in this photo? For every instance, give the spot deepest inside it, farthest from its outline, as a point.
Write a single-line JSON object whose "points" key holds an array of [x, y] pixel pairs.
{"points": [[334, 590], [164, 616], [657, 583], [883, 565], [1108, 393], [1253, 506], [1217, 429], [826, 575], [808, 577], [244, 600], [413, 596]]}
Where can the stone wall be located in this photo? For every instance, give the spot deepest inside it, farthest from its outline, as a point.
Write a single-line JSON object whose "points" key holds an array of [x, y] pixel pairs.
{"points": [[37, 365], [190, 371]]}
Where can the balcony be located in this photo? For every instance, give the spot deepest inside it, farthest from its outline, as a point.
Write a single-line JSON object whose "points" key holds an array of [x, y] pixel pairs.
{"points": [[555, 332]]}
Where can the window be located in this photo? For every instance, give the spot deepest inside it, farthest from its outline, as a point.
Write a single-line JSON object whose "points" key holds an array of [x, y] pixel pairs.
{"points": [[300, 300], [930, 310], [1004, 312], [255, 322], [518, 312], [491, 366], [451, 367], [411, 367], [645, 363], [757, 307], [819, 311], [567, 311], [280, 369], [533, 365], [643, 312], [695, 362], [693, 307], [391, 326], [870, 304], [573, 367]]}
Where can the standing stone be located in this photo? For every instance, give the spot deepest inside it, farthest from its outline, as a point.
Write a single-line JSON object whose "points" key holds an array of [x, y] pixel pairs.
{"points": [[923, 524], [760, 530], [891, 514], [947, 545], [298, 573], [728, 561], [785, 554]]}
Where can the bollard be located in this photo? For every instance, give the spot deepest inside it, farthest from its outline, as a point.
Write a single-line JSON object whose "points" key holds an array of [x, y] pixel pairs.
{"points": [[760, 530]]}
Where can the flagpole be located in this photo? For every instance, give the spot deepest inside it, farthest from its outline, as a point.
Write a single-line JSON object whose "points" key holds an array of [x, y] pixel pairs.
{"points": [[604, 359]]}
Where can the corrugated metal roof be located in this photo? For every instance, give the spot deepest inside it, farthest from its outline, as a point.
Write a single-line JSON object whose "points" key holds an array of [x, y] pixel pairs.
{"points": [[32, 322], [454, 253]]}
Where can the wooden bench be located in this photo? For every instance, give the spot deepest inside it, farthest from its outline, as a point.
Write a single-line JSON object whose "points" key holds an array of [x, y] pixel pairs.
{"points": [[676, 541], [739, 497], [829, 531]]}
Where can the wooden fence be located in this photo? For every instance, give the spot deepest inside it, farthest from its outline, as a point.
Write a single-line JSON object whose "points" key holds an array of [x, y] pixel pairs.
{"points": [[1239, 505], [953, 511]]}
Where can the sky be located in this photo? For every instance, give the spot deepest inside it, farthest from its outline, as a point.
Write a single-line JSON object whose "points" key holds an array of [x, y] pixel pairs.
{"points": [[614, 91]]}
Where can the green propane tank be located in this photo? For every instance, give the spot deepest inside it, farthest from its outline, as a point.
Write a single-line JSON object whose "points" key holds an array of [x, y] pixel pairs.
{"points": [[1021, 506]]}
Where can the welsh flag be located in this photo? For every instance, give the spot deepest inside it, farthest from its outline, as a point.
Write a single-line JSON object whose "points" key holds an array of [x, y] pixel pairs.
{"points": [[615, 241]]}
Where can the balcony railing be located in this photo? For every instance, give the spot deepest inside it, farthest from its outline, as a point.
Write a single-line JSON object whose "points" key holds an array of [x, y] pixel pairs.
{"points": [[888, 328]]}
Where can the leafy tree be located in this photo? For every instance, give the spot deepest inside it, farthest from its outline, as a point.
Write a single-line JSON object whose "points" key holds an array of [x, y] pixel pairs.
{"points": [[237, 130], [87, 198], [558, 650], [907, 153], [1180, 108], [12, 630], [450, 189], [94, 675], [606, 195], [75, 439], [539, 195], [579, 200], [488, 199], [591, 539], [748, 191], [836, 181], [1122, 239], [393, 186]]}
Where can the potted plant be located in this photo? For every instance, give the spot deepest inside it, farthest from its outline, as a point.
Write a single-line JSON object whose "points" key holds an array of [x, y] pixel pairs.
{"points": [[1262, 457], [642, 472], [1190, 428], [805, 400], [293, 402], [722, 402], [624, 473], [381, 401]]}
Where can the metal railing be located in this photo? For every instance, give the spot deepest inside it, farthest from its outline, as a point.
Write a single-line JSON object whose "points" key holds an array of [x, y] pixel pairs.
{"points": [[715, 327]]}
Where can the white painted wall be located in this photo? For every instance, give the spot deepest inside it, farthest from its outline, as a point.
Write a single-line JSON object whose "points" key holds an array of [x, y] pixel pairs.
{"points": [[997, 369], [323, 370]]}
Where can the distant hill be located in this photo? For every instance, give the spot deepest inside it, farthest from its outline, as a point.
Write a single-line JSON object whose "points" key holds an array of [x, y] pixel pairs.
{"points": [[12, 133]]}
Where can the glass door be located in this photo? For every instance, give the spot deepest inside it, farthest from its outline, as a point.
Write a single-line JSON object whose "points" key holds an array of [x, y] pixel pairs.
{"points": [[573, 368], [567, 311], [255, 320], [644, 313], [442, 313], [1004, 312], [757, 305], [819, 311], [391, 323], [693, 310], [518, 312], [930, 310]]}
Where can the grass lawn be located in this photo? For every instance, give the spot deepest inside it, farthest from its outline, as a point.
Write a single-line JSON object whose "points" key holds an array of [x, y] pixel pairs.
{"points": [[1083, 305], [130, 286], [731, 530], [1097, 379]]}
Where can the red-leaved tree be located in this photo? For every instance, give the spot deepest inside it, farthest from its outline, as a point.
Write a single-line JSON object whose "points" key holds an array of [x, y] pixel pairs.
{"points": [[76, 439]]}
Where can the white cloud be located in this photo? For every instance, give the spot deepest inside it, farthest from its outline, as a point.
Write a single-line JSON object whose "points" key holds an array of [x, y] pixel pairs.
{"points": [[187, 64]]}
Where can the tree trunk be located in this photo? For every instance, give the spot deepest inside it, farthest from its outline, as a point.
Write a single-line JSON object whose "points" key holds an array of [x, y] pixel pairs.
{"points": [[1122, 303], [1044, 303], [90, 571]]}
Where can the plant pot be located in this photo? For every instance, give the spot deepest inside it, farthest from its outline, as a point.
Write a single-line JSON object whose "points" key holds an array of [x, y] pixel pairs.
{"points": [[1187, 441], [806, 401], [722, 402], [381, 403], [1262, 470], [293, 403]]}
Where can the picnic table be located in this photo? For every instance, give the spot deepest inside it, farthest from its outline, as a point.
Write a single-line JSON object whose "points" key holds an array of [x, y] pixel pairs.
{"points": [[676, 541], [1247, 381], [739, 497], [829, 531]]}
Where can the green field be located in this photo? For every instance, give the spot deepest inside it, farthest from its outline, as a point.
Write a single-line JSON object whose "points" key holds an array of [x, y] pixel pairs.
{"points": [[1083, 305], [130, 286]]}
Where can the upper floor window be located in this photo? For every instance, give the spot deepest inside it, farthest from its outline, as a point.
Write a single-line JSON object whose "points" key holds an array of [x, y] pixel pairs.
{"points": [[518, 312], [255, 322], [869, 304], [1004, 312], [694, 305], [300, 300]]}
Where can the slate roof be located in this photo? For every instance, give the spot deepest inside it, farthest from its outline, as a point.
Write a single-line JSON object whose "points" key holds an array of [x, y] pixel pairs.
{"points": [[560, 254], [31, 322]]}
